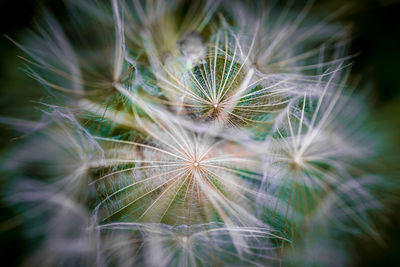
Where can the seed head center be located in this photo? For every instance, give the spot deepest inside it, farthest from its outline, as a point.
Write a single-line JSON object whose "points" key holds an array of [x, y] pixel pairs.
{"points": [[297, 159], [195, 164]]}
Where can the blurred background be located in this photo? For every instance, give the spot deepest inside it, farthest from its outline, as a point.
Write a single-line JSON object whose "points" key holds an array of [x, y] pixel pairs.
{"points": [[376, 69]]}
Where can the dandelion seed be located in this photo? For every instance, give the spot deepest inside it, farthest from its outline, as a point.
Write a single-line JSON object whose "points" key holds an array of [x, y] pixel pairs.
{"points": [[192, 48]]}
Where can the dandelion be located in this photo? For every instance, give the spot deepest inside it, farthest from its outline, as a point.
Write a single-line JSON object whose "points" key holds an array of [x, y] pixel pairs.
{"points": [[192, 134]]}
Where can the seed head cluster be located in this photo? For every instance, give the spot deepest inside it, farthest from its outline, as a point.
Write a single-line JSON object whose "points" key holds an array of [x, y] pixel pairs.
{"points": [[193, 133]]}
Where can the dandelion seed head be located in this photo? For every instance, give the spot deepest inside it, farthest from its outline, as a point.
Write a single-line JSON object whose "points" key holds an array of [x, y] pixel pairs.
{"points": [[184, 241], [204, 141], [297, 159]]}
